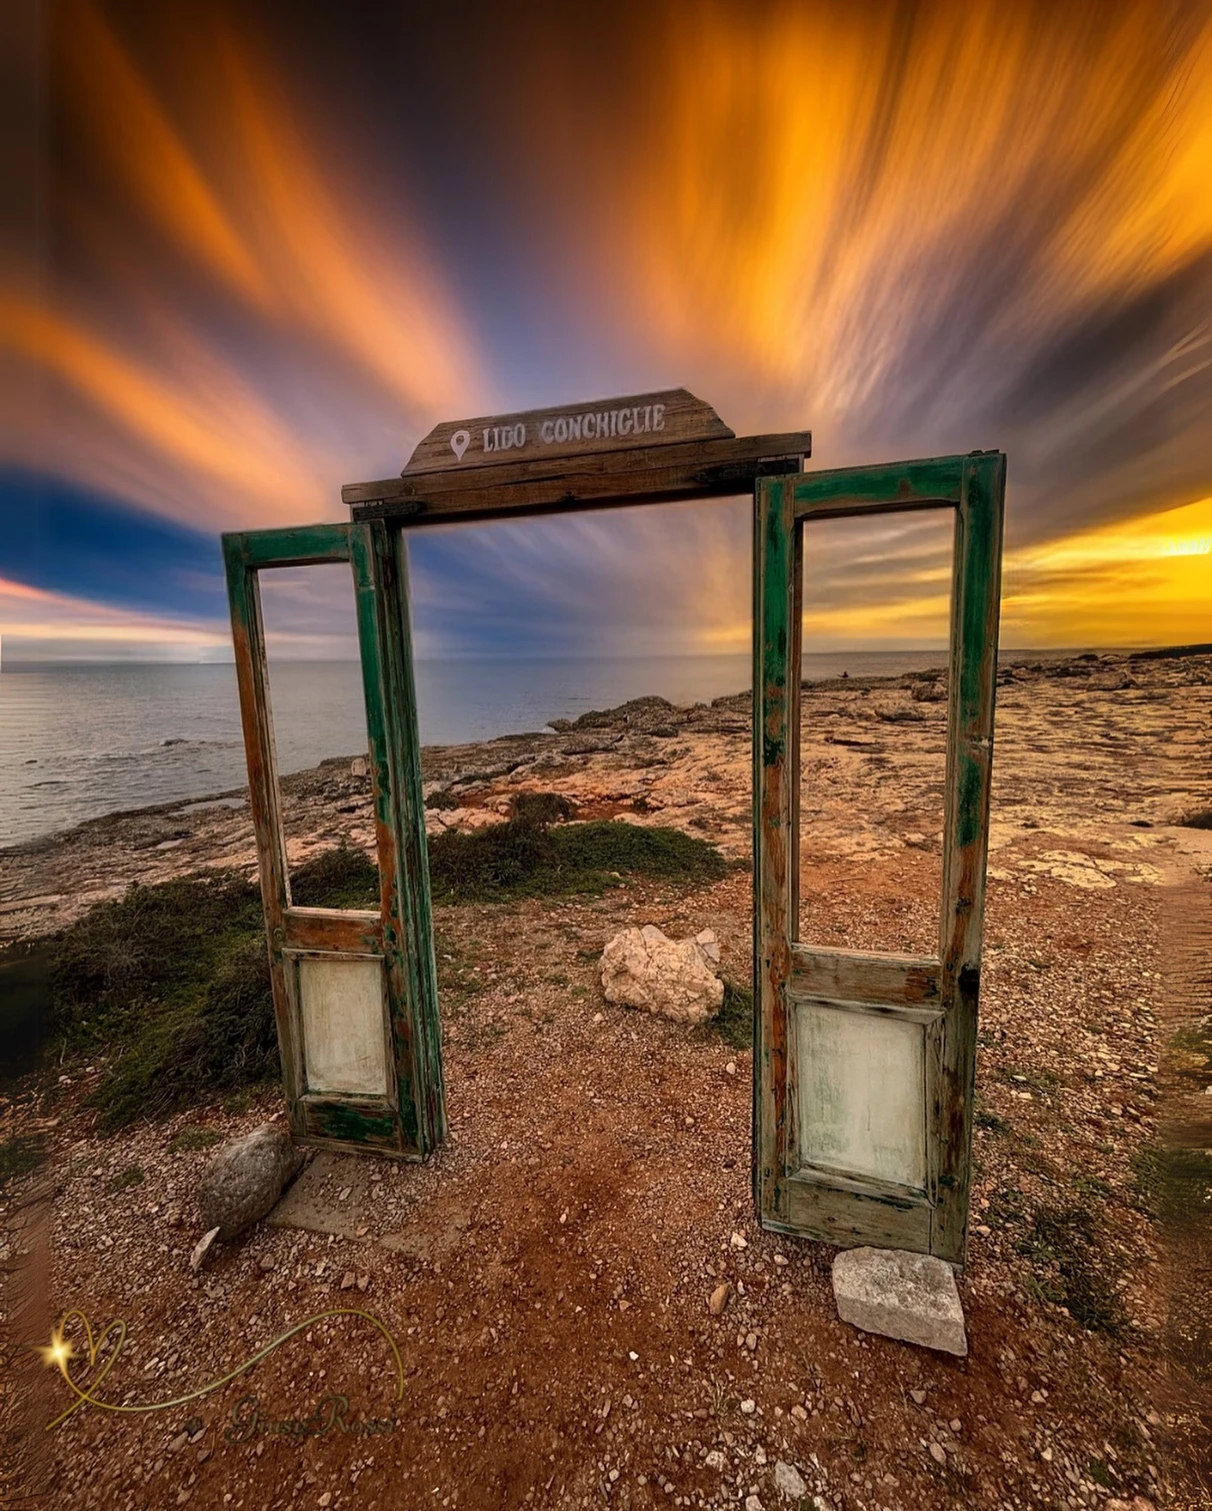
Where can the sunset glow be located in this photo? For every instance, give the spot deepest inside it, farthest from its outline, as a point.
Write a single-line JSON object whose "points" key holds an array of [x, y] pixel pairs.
{"points": [[284, 248]]}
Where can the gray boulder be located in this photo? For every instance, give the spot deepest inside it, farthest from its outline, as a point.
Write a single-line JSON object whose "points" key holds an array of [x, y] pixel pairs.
{"points": [[908, 1296], [246, 1177]]}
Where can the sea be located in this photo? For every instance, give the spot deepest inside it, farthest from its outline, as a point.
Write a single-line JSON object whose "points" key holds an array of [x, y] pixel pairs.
{"points": [[81, 741]]}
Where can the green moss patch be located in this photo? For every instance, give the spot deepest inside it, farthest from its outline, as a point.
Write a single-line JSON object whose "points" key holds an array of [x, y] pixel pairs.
{"points": [[734, 1021], [194, 1137], [170, 983], [523, 858], [18, 1157], [1062, 1243]]}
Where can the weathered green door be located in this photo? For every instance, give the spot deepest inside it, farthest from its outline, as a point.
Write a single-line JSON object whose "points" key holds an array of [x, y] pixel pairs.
{"points": [[848, 1042], [355, 993]]}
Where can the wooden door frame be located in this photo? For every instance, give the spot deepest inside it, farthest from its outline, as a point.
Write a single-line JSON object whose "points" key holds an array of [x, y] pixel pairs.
{"points": [[941, 991], [410, 1120], [375, 545]]}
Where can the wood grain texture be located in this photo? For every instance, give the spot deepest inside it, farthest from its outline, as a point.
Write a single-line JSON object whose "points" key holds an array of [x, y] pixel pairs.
{"points": [[353, 1124], [975, 611], [260, 751], [351, 933], [774, 707], [863, 976], [881, 489], [849, 1218], [381, 595], [662, 418], [638, 475]]}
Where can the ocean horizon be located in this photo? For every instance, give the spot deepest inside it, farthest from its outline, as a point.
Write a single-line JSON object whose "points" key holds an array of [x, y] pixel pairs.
{"points": [[80, 740]]}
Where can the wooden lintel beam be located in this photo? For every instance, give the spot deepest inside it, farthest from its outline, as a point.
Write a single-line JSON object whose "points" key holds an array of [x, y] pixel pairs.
{"points": [[653, 474]]}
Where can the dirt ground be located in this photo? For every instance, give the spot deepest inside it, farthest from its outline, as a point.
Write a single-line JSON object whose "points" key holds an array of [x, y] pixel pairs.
{"points": [[547, 1274]]}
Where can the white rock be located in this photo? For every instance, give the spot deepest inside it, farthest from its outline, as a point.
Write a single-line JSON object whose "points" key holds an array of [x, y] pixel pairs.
{"points": [[201, 1249], [642, 968], [709, 945], [908, 1296], [789, 1481]]}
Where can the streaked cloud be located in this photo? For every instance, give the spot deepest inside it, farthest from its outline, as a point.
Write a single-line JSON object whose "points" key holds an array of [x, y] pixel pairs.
{"points": [[287, 245]]}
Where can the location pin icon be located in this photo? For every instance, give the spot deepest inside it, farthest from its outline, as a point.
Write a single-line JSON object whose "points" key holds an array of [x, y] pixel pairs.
{"points": [[459, 442]]}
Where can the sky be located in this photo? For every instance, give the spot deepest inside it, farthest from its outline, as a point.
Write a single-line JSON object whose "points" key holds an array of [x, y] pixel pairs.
{"points": [[261, 249]]}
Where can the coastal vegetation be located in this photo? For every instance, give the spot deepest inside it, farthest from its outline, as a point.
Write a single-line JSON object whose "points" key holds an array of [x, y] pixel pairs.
{"points": [[168, 987]]}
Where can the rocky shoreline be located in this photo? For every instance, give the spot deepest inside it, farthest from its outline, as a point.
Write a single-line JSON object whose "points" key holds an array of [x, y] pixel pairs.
{"points": [[1112, 746]]}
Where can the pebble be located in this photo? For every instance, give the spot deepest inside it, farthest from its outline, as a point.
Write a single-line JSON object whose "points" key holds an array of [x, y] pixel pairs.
{"points": [[738, 1241], [730, 1068], [267, 1261], [348, 1280], [748, 1407], [937, 1454], [919, 1396], [719, 1299], [752, 1503]]}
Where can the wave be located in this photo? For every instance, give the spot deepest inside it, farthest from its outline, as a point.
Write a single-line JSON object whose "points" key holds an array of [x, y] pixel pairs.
{"points": [[176, 743]]}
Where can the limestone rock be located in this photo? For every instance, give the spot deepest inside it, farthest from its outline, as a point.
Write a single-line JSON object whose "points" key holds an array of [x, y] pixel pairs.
{"points": [[908, 1296], [675, 977], [719, 1298], [246, 1177], [789, 1481]]}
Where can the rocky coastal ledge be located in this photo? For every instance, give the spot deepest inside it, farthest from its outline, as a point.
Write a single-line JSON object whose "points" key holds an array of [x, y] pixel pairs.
{"points": [[1115, 746]]}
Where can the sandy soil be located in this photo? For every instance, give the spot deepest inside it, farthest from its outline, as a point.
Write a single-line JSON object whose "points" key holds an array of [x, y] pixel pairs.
{"points": [[547, 1274]]}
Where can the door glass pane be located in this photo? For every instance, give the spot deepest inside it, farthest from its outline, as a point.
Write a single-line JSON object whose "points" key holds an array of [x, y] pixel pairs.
{"points": [[344, 1024], [862, 1093], [319, 723], [873, 730]]}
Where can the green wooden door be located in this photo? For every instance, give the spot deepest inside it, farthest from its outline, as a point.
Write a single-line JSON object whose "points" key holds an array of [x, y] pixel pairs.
{"points": [[355, 993], [846, 1040]]}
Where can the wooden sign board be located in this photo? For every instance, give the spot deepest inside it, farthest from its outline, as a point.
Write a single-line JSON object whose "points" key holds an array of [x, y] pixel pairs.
{"points": [[648, 419]]}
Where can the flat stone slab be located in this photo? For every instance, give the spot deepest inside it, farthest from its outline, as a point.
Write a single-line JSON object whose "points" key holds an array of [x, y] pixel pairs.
{"points": [[912, 1297], [359, 1196]]}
